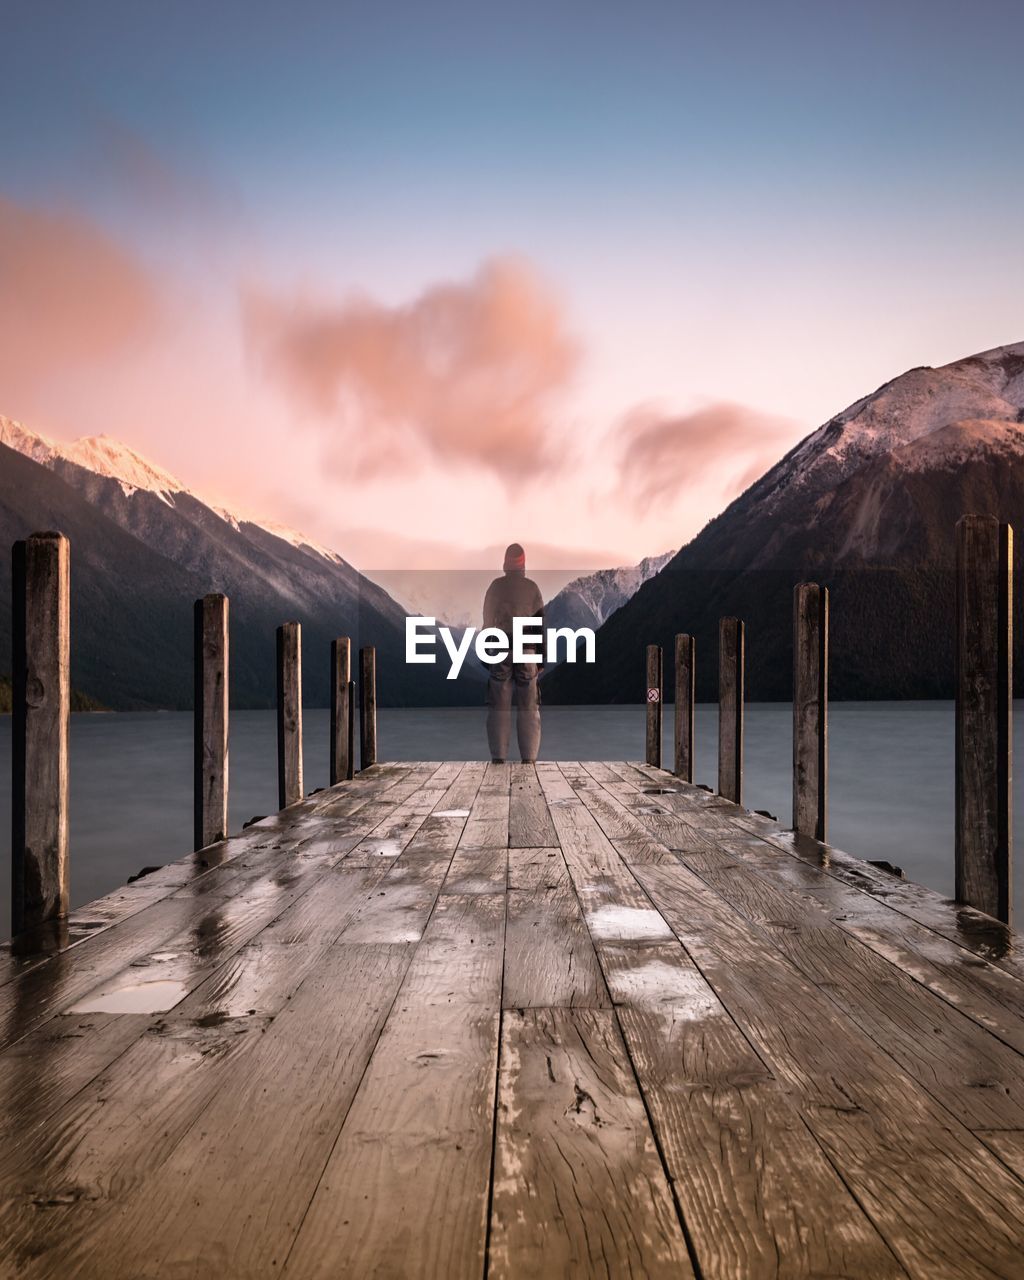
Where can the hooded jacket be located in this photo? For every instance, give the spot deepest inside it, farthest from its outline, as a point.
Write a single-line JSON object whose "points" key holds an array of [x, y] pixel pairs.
{"points": [[513, 595]]}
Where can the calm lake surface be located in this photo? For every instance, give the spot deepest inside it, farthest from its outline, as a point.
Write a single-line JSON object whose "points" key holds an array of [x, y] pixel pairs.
{"points": [[131, 777]]}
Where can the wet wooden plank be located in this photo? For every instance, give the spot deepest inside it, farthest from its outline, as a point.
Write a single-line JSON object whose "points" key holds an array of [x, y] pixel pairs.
{"points": [[615, 907], [199, 925], [1008, 1144], [477, 870], [266, 1134], [743, 1163], [969, 928], [579, 1188], [536, 869], [487, 826], [902, 915], [982, 992], [749, 1176], [851, 1153], [44, 1070], [638, 835], [95, 918], [943, 1203], [977, 989], [398, 907], [110, 1139], [549, 958], [390, 837], [405, 1191], [977, 1077], [529, 823]]}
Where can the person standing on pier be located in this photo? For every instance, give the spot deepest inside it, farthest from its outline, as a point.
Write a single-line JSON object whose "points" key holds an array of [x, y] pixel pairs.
{"points": [[514, 595]]}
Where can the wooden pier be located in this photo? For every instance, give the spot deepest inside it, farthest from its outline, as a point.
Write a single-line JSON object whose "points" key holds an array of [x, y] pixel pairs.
{"points": [[467, 1020], [471, 1021]]}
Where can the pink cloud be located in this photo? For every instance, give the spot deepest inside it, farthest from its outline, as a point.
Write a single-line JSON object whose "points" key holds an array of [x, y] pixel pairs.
{"points": [[468, 372], [727, 446], [70, 295]]}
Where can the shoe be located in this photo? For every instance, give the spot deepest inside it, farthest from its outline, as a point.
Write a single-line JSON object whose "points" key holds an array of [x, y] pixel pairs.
{"points": [[497, 760], [533, 761]]}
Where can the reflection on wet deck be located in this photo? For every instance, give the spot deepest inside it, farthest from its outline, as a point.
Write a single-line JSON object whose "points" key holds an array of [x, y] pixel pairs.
{"points": [[464, 1019]]}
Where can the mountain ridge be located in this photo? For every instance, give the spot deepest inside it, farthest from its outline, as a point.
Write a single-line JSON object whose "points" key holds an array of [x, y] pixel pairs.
{"points": [[867, 505], [142, 552]]}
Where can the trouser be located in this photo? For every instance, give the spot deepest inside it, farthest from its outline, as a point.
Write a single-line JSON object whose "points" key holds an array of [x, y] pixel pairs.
{"points": [[523, 678]]}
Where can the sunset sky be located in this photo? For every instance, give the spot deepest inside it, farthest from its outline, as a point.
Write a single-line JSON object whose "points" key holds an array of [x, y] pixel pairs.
{"points": [[422, 279]]}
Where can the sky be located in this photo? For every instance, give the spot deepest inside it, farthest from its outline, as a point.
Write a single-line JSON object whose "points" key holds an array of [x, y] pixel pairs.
{"points": [[424, 279]]}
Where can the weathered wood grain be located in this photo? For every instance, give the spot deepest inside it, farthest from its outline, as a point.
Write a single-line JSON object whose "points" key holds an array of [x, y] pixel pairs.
{"points": [[342, 764], [41, 689], [535, 870], [731, 693], [786, 1064], [549, 958], [248, 887], [980, 991], [944, 1204], [654, 684], [405, 1191], [367, 707], [487, 826], [109, 1139], [1009, 1146], [85, 923], [744, 1166], [210, 728], [267, 1136], [686, 689], [477, 870], [810, 710], [579, 1188], [968, 927], [615, 907], [984, 714], [974, 1075], [289, 714], [529, 824]]}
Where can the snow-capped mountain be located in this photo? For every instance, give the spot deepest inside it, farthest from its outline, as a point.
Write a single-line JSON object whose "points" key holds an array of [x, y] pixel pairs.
{"points": [[926, 419], [101, 455], [109, 459], [144, 547], [590, 600], [986, 388], [866, 504]]}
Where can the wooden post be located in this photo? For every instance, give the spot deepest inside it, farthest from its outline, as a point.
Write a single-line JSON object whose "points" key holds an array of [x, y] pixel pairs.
{"points": [[210, 727], [367, 707], [341, 710], [810, 710], [42, 718], [730, 709], [686, 674], [654, 695], [350, 772], [289, 713], [984, 710]]}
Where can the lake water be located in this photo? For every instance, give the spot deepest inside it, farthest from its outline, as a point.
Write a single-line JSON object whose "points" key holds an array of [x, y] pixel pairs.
{"points": [[891, 776]]}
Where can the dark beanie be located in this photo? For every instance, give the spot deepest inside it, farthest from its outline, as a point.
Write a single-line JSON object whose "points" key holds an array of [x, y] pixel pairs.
{"points": [[515, 557]]}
